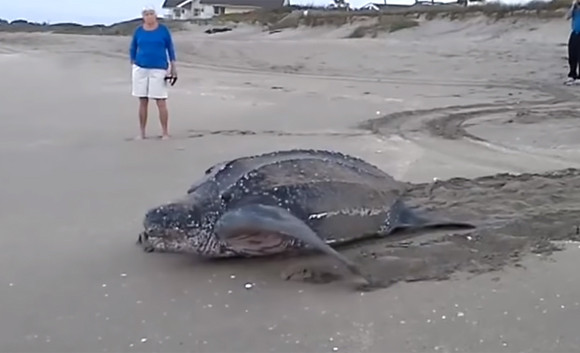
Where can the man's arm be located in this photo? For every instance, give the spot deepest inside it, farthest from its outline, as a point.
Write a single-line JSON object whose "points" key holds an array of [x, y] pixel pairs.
{"points": [[133, 48], [570, 11], [170, 49]]}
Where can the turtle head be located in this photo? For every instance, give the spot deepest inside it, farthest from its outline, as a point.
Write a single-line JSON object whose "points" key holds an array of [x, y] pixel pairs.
{"points": [[174, 227]]}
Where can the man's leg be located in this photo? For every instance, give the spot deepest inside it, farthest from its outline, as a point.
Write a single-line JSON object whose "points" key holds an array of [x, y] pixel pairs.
{"points": [[143, 105], [140, 83], [163, 116], [576, 46], [158, 91], [573, 56]]}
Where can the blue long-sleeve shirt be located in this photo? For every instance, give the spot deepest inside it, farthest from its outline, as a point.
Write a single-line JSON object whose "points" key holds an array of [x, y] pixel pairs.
{"points": [[151, 48], [576, 20]]}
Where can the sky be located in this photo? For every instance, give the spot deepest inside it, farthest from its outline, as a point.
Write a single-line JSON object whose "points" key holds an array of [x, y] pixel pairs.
{"points": [[111, 11]]}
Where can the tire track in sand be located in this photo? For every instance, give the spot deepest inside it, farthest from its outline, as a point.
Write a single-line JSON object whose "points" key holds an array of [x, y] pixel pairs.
{"points": [[443, 130]]}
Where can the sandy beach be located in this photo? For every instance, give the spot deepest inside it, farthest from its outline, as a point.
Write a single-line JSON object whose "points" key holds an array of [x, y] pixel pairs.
{"points": [[476, 104]]}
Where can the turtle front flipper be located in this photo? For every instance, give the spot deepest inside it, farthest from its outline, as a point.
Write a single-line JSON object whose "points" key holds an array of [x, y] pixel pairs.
{"points": [[262, 230]]}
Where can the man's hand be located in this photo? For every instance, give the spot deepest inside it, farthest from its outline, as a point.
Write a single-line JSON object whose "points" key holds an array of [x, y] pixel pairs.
{"points": [[173, 70], [171, 77]]}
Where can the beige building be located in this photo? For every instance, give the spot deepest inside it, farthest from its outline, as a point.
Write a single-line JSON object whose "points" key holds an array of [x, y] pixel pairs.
{"points": [[204, 9]]}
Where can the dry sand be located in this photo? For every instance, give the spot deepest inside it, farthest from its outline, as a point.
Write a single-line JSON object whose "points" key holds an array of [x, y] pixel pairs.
{"points": [[448, 99]]}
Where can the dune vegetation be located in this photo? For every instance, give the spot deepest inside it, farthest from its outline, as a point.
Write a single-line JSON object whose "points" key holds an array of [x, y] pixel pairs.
{"points": [[365, 22]]}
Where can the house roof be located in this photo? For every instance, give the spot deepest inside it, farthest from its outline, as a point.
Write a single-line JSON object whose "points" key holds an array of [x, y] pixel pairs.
{"points": [[381, 6], [168, 4], [266, 4]]}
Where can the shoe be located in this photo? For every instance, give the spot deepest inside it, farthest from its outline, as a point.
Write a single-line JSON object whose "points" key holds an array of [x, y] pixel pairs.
{"points": [[570, 81]]}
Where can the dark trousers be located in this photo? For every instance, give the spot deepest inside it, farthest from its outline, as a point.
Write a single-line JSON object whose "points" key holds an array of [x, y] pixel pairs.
{"points": [[574, 54]]}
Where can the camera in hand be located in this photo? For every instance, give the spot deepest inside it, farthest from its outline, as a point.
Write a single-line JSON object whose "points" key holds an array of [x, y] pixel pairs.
{"points": [[171, 79]]}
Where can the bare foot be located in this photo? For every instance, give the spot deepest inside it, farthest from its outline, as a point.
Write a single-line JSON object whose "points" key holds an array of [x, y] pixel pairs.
{"points": [[165, 137]]}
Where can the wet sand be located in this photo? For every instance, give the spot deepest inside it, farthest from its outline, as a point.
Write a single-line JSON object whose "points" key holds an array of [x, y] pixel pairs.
{"points": [[457, 101]]}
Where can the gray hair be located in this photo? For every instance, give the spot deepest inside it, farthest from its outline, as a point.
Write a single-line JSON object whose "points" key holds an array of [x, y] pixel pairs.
{"points": [[148, 8]]}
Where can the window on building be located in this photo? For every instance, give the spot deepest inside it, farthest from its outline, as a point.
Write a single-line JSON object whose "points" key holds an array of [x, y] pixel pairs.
{"points": [[219, 10]]}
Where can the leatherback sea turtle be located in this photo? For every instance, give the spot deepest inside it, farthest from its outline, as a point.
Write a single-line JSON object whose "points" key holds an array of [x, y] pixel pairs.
{"points": [[265, 204]]}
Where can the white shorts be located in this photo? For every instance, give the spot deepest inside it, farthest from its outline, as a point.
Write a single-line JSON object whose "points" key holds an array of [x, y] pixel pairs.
{"points": [[149, 83]]}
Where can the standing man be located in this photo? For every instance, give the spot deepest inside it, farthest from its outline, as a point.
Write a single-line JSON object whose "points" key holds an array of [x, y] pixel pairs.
{"points": [[574, 42], [150, 48]]}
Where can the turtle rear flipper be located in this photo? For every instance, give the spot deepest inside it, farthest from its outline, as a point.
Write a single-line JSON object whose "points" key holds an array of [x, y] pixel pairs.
{"points": [[403, 217], [251, 228]]}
